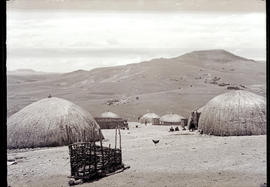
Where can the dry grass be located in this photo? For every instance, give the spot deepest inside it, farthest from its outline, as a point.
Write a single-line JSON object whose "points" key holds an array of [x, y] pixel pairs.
{"points": [[234, 113], [50, 122]]}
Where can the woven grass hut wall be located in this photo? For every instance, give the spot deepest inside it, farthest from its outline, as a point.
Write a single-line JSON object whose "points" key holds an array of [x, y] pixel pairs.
{"points": [[172, 119], [51, 122], [150, 118], [234, 113]]}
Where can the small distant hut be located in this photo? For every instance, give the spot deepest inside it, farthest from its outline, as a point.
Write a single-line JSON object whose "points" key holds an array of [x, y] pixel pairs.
{"points": [[51, 122], [235, 113], [150, 118], [110, 120], [173, 119], [109, 115]]}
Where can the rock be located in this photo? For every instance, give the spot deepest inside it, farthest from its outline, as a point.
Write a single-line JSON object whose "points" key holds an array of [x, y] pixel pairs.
{"points": [[223, 84], [233, 88], [243, 86], [19, 157]]}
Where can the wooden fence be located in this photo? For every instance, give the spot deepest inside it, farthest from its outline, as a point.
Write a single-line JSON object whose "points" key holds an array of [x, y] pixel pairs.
{"points": [[89, 160]]}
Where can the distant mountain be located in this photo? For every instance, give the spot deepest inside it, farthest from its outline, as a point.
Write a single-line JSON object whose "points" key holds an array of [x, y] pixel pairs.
{"points": [[25, 72], [161, 85]]}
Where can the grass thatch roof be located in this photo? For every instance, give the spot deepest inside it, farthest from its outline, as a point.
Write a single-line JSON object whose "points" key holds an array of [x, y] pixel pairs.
{"points": [[234, 113], [109, 115], [171, 118], [50, 122], [148, 117]]}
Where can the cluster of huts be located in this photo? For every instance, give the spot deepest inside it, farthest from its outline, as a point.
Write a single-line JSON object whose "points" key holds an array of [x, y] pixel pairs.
{"points": [[54, 121], [167, 119], [234, 113]]}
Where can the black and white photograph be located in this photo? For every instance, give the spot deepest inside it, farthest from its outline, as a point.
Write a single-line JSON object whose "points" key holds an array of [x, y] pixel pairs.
{"points": [[127, 93]]}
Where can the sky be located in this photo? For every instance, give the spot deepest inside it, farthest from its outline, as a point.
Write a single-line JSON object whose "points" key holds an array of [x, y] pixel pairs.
{"points": [[64, 40]]}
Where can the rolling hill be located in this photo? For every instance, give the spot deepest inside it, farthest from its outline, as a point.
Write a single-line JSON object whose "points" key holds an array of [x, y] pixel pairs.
{"points": [[163, 85]]}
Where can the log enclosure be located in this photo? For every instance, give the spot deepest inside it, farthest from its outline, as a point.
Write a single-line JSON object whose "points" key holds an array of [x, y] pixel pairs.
{"points": [[89, 160]]}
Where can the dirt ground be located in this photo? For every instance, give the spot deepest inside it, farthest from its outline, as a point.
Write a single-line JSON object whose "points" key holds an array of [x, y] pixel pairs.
{"points": [[179, 159]]}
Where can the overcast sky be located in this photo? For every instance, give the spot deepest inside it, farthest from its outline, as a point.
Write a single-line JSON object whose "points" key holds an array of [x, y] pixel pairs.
{"points": [[67, 40]]}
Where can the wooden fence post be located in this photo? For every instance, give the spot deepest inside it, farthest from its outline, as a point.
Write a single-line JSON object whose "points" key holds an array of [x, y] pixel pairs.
{"points": [[67, 132], [120, 145], [115, 137], [119, 138], [102, 154]]}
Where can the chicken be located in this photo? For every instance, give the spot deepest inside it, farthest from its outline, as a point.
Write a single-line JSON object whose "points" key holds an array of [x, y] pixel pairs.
{"points": [[155, 141]]}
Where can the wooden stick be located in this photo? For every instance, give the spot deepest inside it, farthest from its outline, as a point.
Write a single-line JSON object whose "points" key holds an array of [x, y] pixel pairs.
{"points": [[120, 138], [95, 157], [67, 134], [71, 155], [120, 146], [101, 148], [115, 137]]}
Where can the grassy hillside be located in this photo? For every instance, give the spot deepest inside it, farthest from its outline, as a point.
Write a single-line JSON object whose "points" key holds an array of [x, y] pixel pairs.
{"points": [[161, 85]]}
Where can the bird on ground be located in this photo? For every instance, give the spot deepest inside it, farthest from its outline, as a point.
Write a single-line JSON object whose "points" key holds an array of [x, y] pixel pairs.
{"points": [[155, 141]]}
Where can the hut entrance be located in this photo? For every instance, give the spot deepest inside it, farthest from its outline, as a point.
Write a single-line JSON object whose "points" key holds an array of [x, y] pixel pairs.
{"points": [[89, 161], [194, 120]]}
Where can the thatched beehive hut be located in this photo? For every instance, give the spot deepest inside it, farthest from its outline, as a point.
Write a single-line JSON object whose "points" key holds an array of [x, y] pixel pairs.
{"points": [[149, 118], [234, 113], [172, 119], [109, 115], [51, 122], [110, 120]]}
